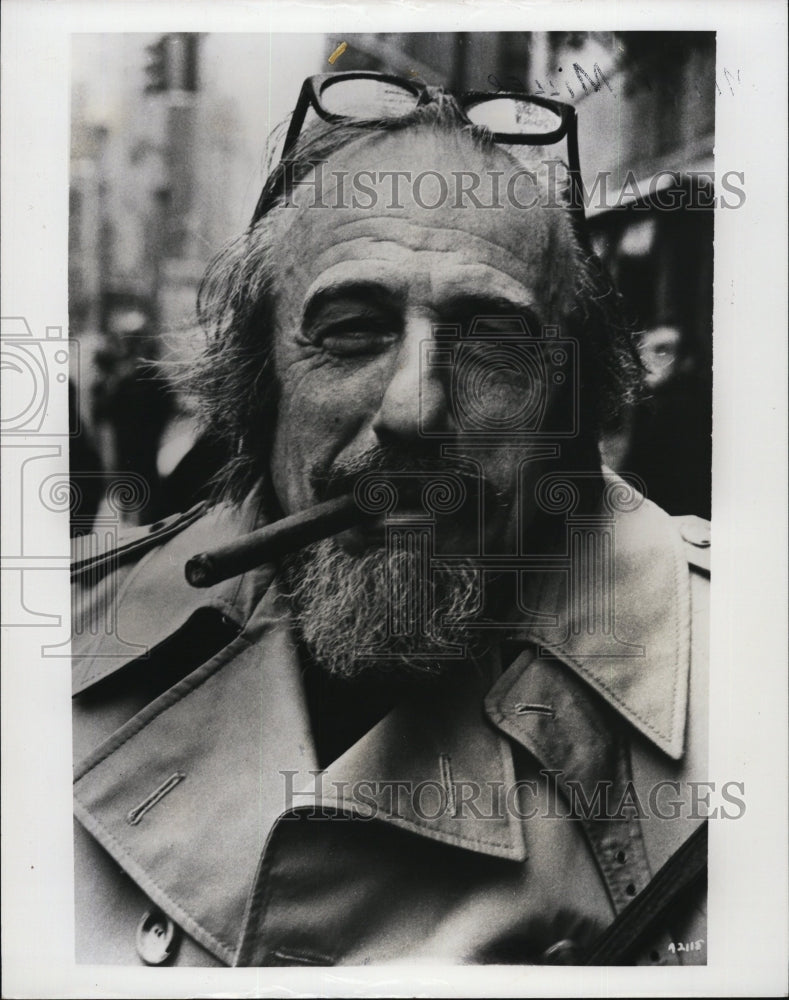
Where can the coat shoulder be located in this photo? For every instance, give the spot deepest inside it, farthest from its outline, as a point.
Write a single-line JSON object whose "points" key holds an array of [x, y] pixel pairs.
{"points": [[135, 595], [99, 552]]}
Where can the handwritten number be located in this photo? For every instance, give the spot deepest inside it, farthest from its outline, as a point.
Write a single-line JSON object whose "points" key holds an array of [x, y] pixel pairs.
{"points": [[686, 946]]}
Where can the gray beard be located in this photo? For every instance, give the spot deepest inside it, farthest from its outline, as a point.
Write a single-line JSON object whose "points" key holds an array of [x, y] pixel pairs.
{"points": [[381, 611]]}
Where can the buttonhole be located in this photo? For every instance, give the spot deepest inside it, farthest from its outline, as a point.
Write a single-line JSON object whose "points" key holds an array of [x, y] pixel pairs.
{"points": [[445, 766], [133, 816], [521, 708]]}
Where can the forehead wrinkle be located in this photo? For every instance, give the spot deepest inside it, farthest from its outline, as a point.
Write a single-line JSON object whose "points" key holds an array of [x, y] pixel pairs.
{"points": [[510, 263], [410, 224]]}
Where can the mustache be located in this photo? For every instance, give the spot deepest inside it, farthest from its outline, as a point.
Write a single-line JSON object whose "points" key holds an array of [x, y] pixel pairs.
{"points": [[409, 471]]}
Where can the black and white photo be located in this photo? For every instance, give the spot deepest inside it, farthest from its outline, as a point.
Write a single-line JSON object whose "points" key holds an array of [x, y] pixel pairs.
{"points": [[389, 475]]}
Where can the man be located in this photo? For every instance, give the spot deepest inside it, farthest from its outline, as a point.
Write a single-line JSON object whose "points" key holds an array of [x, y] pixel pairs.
{"points": [[461, 729]]}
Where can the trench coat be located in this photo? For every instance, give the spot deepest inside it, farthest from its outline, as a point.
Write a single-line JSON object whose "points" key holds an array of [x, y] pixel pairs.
{"points": [[206, 834]]}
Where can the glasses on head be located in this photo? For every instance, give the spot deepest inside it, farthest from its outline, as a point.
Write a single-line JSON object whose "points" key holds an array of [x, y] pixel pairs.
{"points": [[513, 119]]}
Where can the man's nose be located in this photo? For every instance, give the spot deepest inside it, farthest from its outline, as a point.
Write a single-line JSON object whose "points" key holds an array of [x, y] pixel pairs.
{"points": [[415, 402]]}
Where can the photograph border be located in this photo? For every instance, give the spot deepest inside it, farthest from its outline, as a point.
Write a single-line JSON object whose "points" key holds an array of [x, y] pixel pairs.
{"points": [[748, 928]]}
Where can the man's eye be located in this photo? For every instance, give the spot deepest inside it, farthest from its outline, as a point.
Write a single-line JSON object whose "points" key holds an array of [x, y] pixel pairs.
{"points": [[355, 341]]}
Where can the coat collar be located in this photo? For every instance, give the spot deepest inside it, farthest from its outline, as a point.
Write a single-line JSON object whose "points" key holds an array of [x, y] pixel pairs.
{"points": [[619, 616]]}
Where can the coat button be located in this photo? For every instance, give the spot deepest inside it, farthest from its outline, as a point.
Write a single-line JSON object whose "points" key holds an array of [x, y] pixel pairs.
{"points": [[157, 937]]}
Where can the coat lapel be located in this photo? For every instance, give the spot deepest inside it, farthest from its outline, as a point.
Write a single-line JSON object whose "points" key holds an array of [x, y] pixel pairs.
{"points": [[184, 794]]}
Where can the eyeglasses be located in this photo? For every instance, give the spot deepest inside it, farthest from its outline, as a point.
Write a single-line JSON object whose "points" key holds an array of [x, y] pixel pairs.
{"points": [[513, 119]]}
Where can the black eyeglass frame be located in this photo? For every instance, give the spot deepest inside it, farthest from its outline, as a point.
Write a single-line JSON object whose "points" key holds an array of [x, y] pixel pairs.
{"points": [[313, 87]]}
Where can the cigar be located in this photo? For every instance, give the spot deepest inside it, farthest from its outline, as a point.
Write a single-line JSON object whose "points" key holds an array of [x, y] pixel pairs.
{"points": [[264, 544]]}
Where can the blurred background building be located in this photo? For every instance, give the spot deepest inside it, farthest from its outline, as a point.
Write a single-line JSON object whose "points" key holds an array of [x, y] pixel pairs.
{"points": [[170, 149]]}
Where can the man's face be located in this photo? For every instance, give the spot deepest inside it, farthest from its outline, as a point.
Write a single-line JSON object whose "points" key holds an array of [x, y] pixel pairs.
{"points": [[659, 350], [361, 290]]}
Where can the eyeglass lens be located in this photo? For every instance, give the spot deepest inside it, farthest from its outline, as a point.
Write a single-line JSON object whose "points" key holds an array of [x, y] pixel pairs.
{"points": [[365, 98], [512, 116]]}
